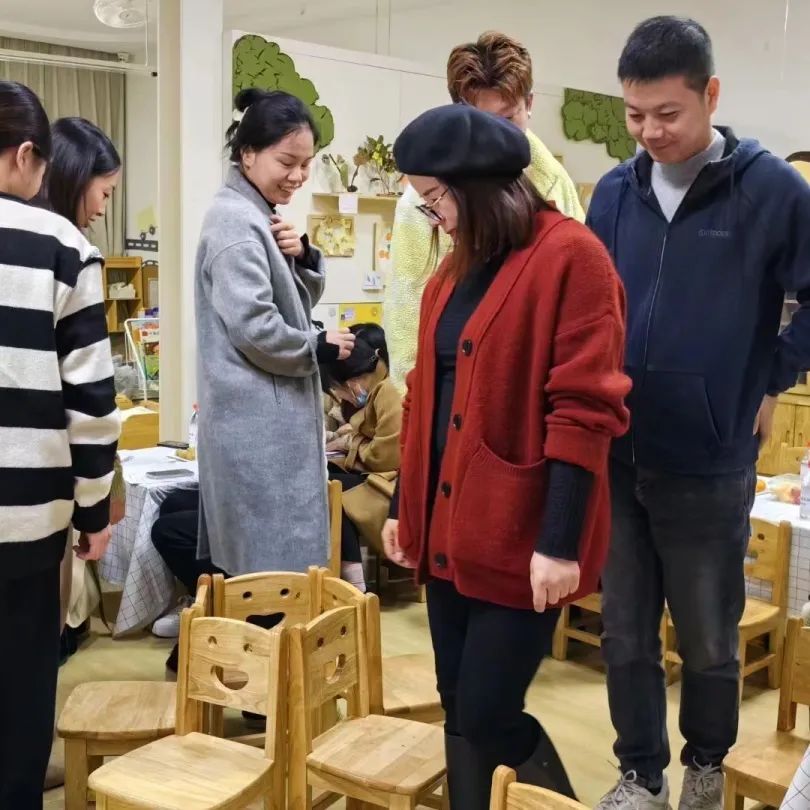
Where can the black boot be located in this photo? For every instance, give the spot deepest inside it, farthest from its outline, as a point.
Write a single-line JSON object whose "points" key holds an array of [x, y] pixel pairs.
{"points": [[469, 775], [544, 769]]}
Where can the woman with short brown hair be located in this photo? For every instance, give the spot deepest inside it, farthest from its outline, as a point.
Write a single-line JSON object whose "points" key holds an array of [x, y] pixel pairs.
{"points": [[517, 392]]}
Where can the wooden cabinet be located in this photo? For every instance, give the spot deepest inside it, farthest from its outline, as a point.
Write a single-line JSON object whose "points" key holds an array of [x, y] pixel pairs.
{"points": [[791, 427], [126, 270]]}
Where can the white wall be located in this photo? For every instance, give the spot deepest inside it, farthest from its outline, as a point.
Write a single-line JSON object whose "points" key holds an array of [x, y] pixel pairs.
{"points": [[577, 43], [141, 165]]}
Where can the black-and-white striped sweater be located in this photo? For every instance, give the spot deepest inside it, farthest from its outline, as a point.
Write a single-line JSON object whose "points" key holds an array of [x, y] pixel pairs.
{"points": [[59, 425]]}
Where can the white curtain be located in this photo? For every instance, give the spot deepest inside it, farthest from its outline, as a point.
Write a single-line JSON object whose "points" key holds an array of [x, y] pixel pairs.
{"points": [[96, 95]]}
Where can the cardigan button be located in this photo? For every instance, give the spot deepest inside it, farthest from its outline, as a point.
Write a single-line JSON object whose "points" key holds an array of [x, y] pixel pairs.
{"points": [[440, 560], [457, 421], [467, 347], [446, 489]]}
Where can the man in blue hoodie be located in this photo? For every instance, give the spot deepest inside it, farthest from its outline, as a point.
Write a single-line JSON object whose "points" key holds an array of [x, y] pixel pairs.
{"points": [[708, 231]]}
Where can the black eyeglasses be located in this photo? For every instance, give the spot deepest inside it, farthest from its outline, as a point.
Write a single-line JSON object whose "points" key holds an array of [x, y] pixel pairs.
{"points": [[427, 208]]}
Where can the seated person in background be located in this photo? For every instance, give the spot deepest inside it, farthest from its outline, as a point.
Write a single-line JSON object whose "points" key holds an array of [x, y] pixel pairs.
{"points": [[174, 535], [368, 447]]}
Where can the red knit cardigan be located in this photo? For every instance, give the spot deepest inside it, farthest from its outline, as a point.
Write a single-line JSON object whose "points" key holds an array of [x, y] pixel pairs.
{"points": [[539, 376]]}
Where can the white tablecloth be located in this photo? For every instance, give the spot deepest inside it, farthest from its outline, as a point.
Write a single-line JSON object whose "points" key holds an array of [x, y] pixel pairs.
{"points": [[766, 508], [131, 560]]}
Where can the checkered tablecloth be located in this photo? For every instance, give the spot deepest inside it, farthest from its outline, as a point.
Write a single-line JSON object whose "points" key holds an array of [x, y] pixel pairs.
{"points": [[798, 795], [131, 560]]}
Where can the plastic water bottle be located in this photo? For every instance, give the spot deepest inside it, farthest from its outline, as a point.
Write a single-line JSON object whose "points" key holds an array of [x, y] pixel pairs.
{"points": [[804, 502], [192, 427]]}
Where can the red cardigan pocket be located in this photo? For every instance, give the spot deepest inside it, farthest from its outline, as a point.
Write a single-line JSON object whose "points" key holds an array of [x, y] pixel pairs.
{"points": [[498, 512]]}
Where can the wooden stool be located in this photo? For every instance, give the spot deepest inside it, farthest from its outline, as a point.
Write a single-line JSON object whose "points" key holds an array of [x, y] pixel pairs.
{"points": [[762, 768], [194, 771], [111, 718], [383, 761], [509, 794], [768, 560]]}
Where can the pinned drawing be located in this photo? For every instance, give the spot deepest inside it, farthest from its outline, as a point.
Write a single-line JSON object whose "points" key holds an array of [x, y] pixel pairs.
{"points": [[333, 234]]}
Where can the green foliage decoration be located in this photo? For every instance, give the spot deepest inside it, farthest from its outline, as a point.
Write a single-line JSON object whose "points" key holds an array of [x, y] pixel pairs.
{"points": [[599, 118], [258, 62]]}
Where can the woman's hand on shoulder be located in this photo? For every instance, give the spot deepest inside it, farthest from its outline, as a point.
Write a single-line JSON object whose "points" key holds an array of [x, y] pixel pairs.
{"points": [[552, 580], [287, 238]]}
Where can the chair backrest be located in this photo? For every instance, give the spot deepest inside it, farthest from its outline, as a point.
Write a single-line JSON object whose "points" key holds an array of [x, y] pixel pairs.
{"points": [[286, 595], [335, 494], [328, 659], [208, 646], [333, 592], [204, 596], [795, 687], [509, 794], [768, 557]]}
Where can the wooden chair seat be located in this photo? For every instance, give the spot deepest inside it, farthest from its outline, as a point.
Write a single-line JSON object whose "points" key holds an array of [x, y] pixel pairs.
{"points": [[119, 710], [763, 768], [409, 688], [192, 772], [758, 616], [382, 753]]}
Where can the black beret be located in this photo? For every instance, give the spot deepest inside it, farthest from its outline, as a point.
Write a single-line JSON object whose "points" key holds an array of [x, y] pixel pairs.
{"points": [[458, 140]]}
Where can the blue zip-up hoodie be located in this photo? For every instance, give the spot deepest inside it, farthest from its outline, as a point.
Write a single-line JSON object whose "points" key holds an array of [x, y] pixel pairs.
{"points": [[704, 300]]}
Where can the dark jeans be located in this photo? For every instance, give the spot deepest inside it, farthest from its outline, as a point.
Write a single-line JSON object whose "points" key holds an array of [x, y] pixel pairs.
{"points": [[486, 657], [29, 624], [682, 539], [349, 536], [174, 535]]}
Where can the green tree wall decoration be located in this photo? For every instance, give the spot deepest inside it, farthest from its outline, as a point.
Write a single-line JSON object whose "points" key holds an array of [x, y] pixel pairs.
{"points": [[598, 118], [258, 62]]}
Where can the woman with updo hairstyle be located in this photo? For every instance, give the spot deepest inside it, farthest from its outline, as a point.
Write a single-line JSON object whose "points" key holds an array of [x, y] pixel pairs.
{"points": [[263, 502]]}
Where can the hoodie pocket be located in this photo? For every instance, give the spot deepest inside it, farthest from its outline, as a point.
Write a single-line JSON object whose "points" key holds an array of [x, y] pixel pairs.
{"points": [[674, 413]]}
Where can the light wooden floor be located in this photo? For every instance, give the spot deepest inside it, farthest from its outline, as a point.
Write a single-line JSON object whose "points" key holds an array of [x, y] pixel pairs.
{"points": [[569, 697]]}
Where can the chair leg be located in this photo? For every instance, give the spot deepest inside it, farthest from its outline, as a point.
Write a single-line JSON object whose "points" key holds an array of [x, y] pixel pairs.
{"points": [[216, 721], [776, 640], [731, 800], [402, 803], [77, 771], [559, 648], [445, 796]]}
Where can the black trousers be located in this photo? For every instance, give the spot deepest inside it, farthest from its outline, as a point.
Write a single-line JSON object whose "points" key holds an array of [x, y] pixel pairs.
{"points": [[29, 624], [349, 536], [486, 657], [174, 535]]}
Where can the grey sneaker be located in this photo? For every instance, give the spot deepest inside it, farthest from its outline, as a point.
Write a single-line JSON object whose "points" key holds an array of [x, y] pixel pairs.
{"points": [[702, 789], [629, 795]]}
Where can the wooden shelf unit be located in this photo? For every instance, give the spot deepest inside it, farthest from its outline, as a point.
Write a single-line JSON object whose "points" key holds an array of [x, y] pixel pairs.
{"points": [[129, 270]]}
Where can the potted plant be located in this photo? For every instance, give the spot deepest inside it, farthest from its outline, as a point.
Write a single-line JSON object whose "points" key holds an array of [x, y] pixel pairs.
{"points": [[378, 158], [339, 163]]}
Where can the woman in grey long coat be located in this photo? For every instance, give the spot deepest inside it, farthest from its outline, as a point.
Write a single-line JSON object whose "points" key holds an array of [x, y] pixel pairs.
{"points": [[263, 496]]}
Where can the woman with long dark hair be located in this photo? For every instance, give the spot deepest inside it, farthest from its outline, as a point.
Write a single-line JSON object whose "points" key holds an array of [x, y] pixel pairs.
{"points": [[82, 174], [263, 504], [58, 433], [517, 392]]}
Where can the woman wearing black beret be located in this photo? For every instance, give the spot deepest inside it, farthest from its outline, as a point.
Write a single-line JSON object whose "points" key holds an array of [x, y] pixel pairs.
{"points": [[518, 389]]}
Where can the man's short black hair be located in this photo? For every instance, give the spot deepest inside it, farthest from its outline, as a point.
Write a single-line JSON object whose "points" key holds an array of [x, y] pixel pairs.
{"points": [[667, 46]]}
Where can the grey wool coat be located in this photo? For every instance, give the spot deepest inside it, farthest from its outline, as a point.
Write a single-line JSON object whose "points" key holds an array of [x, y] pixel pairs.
{"points": [[263, 502]]}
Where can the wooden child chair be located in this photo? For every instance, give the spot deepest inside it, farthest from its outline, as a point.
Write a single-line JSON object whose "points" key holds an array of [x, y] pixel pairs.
{"points": [[383, 761], [762, 768], [110, 718], [768, 560], [286, 597], [580, 630], [509, 794], [399, 686], [192, 770]]}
